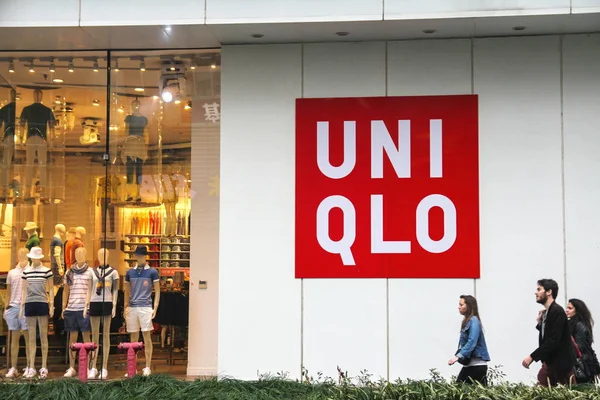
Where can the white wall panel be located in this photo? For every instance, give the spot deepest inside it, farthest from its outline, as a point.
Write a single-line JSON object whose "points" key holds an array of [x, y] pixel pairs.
{"points": [[518, 83], [263, 11], [39, 13], [409, 9], [344, 319], [141, 12], [581, 74], [432, 67], [585, 6], [259, 298]]}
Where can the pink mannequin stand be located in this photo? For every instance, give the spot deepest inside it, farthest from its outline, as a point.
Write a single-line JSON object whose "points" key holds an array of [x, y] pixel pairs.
{"points": [[83, 349], [132, 349]]}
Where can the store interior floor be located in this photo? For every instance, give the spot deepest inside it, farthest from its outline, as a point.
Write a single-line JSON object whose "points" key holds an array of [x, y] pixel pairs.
{"points": [[164, 361]]}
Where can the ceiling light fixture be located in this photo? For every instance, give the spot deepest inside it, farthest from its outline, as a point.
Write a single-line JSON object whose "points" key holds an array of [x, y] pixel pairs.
{"points": [[167, 28], [257, 35], [117, 65], [194, 65], [342, 33], [57, 80], [96, 69], [177, 101], [142, 65], [166, 96], [18, 97], [11, 67], [172, 67], [31, 67], [155, 97], [71, 67], [96, 103], [57, 100], [213, 64], [429, 31], [52, 66], [121, 109], [188, 106], [139, 89]]}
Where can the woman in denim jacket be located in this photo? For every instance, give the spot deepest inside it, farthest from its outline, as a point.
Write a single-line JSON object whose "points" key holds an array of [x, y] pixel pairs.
{"points": [[472, 351]]}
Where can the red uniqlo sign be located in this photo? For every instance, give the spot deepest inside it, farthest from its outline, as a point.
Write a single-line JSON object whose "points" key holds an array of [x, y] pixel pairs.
{"points": [[387, 187]]}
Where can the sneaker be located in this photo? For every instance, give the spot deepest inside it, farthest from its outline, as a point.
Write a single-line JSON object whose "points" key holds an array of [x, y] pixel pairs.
{"points": [[146, 372], [43, 373], [12, 373], [70, 373], [93, 373], [29, 373], [103, 374]]}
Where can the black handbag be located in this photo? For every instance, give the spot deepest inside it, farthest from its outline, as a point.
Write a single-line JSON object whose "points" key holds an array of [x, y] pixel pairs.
{"points": [[582, 372]]}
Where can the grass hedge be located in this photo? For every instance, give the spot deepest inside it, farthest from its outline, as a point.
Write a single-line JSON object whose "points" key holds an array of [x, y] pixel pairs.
{"points": [[278, 387]]}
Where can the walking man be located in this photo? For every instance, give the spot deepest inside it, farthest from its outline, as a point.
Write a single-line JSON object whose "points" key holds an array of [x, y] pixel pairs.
{"points": [[555, 349]]}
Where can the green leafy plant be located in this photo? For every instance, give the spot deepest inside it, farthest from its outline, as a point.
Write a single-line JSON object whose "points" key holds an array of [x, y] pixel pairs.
{"points": [[280, 387]]}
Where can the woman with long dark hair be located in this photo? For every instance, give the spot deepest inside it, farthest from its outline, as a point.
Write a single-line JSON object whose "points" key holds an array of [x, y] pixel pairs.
{"points": [[581, 325], [472, 350]]}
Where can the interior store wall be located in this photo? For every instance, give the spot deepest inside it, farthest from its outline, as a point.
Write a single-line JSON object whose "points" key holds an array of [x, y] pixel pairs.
{"points": [[538, 207]]}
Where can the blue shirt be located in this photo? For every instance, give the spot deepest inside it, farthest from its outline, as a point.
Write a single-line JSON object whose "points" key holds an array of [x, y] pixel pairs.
{"points": [[141, 280]]}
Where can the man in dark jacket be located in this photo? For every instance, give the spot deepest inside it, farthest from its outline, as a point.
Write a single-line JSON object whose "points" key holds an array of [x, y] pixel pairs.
{"points": [[555, 347]]}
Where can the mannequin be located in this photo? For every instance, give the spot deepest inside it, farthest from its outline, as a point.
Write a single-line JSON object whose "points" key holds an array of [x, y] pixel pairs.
{"points": [[170, 199], [16, 324], [40, 123], [135, 150], [75, 302], [68, 246], [57, 255], [7, 137], [33, 239], [139, 311], [107, 193], [77, 242], [103, 305], [38, 292]]}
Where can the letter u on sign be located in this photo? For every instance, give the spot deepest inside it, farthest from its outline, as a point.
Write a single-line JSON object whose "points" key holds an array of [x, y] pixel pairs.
{"points": [[387, 187]]}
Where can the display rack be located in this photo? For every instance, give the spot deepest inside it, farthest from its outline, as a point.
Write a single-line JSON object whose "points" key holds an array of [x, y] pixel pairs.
{"points": [[168, 254]]}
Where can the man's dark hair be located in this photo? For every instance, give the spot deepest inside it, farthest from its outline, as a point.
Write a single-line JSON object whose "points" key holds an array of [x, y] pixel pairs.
{"points": [[549, 284]]}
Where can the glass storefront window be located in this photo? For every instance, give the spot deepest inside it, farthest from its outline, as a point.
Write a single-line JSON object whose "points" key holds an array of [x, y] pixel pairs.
{"points": [[102, 159]]}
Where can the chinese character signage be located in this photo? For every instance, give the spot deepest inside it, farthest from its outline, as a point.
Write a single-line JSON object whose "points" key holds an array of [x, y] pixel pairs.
{"points": [[387, 187]]}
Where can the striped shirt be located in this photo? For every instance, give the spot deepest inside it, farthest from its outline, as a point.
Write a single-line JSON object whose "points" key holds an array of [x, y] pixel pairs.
{"points": [[78, 290], [36, 278], [14, 279]]}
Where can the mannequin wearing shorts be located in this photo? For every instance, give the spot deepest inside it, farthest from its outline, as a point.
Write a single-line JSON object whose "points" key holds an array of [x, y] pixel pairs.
{"points": [[135, 150], [139, 311], [16, 324], [103, 306], [40, 122], [38, 292], [77, 286], [57, 255], [7, 122]]}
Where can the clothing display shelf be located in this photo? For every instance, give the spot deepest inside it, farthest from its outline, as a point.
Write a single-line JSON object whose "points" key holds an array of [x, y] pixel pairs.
{"points": [[163, 251]]}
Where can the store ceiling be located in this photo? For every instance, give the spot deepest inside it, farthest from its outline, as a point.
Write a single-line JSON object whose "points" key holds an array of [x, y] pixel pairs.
{"points": [[83, 88], [215, 35]]}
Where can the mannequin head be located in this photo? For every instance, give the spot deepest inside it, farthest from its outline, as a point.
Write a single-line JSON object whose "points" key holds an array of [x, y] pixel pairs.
{"points": [[22, 257], [140, 255], [80, 232], [13, 95], [135, 106], [103, 256], [36, 255], [59, 229], [37, 96], [81, 255], [30, 228], [71, 234]]}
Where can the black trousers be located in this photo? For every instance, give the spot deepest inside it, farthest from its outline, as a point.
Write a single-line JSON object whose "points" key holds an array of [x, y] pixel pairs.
{"points": [[473, 374]]}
